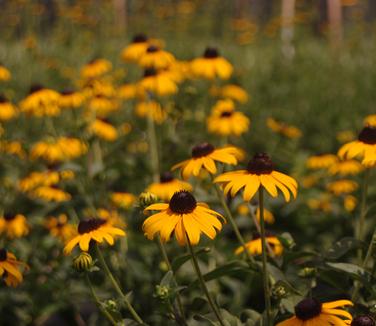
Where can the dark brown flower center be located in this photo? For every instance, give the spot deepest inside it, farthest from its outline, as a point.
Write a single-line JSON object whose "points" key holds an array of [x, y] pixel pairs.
{"points": [[93, 61], [226, 114], [3, 99], [35, 88], [182, 202], [211, 53], [368, 135], [3, 254], [9, 217], [308, 309], [67, 92], [152, 49], [166, 177], [260, 164], [139, 38], [150, 72], [202, 150], [86, 226], [363, 321]]}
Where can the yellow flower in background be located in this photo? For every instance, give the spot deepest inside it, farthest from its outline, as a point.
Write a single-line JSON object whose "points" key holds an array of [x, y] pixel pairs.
{"points": [[112, 217], [323, 161], [349, 203], [254, 246], [204, 156], [143, 109], [309, 181], [260, 173], [323, 203], [127, 91], [243, 209], [14, 225], [284, 129], [71, 99], [97, 87], [60, 228], [7, 110], [10, 268], [345, 167], [370, 120], [310, 312], [95, 68], [156, 58], [345, 136], [136, 48], [177, 71], [12, 147], [211, 65], [184, 217], [4, 73], [123, 200], [231, 91], [103, 130], [93, 229], [156, 83], [167, 186], [340, 187], [225, 121], [50, 194], [364, 147], [102, 106]]}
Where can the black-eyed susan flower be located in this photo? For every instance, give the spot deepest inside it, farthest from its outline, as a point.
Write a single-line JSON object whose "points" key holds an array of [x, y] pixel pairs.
{"points": [[10, 268], [50, 194], [167, 186], [349, 203], [95, 68], [322, 161], [136, 48], [127, 91], [156, 83], [244, 209], [363, 320], [211, 65], [14, 225], [255, 246], [35, 179], [205, 156], [154, 57], [7, 110], [346, 167], [12, 147], [71, 99], [323, 203], [343, 186], [260, 173], [93, 229], [311, 311], [284, 129], [103, 129], [370, 120], [101, 106], [231, 91], [184, 217], [225, 121], [112, 217], [60, 228], [144, 108], [4, 73], [97, 87], [123, 200], [364, 147]]}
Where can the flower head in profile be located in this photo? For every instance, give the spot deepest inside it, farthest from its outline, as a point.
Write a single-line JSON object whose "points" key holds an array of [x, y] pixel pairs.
{"points": [[103, 129], [7, 110], [95, 68], [346, 167], [322, 161], [145, 108], [370, 120], [156, 83], [11, 268], [283, 129], [260, 173], [60, 228], [50, 194], [211, 65], [343, 186], [255, 246], [205, 156], [93, 229], [231, 91], [184, 217], [71, 99], [123, 199], [4, 73], [155, 57], [136, 48], [14, 225], [311, 311]]}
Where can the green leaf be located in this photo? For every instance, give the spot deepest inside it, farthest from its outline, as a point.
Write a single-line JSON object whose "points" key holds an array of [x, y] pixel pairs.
{"points": [[182, 259], [167, 279], [342, 247], [351, 269]]}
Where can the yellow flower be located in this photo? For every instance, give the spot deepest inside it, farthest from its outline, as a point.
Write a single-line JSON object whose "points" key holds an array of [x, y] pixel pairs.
{"points": [[349, 203], [204, 156], [143, 109], [95, 68], [112, 217], [342, 187], [309, 181], [370, 120], [60, 228], [346, 167], [156, 58], [260, 173], [71, 99], [97, 87], [345, 136], [183, 216], [177, 71], [52, 194], [225, 121], [102, 106], [12, 147], [311, 311], [364, 147], [255, 246], [167, 186], [233, 92], [36, 179], [283, 128], [243, 209], [323, 203], [93, 229], [211, 65], [4, 73], [127, 91], [10, 268], [136, 48], [14, 226], [156, 83], [123, 199], [323, 161], [7, 110], [103, 129]]}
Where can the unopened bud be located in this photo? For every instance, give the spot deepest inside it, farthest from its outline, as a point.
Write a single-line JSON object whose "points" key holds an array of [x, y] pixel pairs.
{"points": [[147, 198], [83, 262]]}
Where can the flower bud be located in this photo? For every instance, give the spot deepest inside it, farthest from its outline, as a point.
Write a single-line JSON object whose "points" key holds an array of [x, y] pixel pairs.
{"points": [[279, 291], [83, 262], [307, 272], [146, 199], [162, 292], [363, 321]]}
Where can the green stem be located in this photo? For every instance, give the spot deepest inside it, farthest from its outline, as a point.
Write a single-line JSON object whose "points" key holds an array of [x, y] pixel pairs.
{"points": [[265, 273], [98, 303], [117, 287], [363, 212], [202, 282], [153, 147], [167, 261]]}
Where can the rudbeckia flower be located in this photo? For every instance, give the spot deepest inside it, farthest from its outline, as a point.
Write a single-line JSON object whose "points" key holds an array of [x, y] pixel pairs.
{"points": [[243, 209], [323, 161], [14, 225], [7, 110], [284, 129], [156, 58], [167, 186], [231, 91], [12, 147], [225, 121], [102, 106], [97, 87], [211, 65], [255, 246], [323, 203], [349, 203], [112, 217], [344, 186], [103, 129], [123, 199], [60, 228], [311, 311], [95, 68], [370, 120], [183, 216], [144, 108], [127, 91], [156, 83], [136, 48], [10, 268], [364, 147], [71, 99], [4, 73], [204, 156], [260, 173], [93, 229], [345, 167], [50, 193]]}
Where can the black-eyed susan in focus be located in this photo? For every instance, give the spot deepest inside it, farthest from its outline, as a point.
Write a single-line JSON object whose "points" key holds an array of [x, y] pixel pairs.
{"points": [[10, 268], [184, 217]]}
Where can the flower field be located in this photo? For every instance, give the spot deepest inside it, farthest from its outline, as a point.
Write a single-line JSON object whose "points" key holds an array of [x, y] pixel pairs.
{"points": [[188, 163]]}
